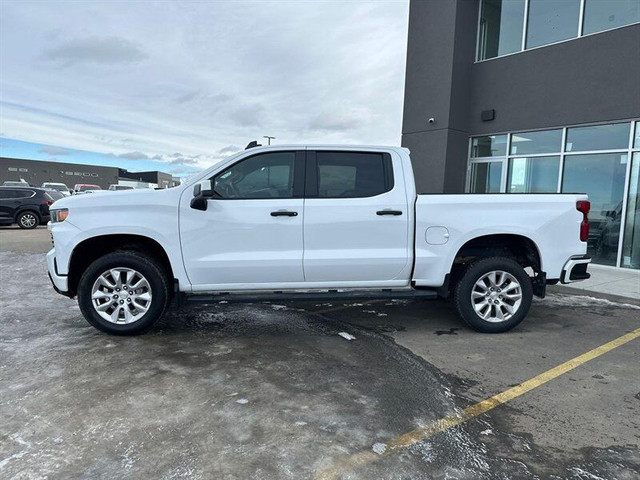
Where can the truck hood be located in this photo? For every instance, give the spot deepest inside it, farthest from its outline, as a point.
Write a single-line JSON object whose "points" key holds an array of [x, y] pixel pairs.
{"points": [[111, 198]]}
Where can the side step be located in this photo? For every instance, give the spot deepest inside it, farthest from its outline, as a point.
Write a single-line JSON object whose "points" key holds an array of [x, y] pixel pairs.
{"points": [[282, 296]]}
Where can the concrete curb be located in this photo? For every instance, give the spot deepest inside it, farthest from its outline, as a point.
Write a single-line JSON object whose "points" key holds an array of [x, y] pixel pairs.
{"points": [[591, 293]]}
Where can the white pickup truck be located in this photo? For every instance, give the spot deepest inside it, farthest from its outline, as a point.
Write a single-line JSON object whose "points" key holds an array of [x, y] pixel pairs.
{"points": [[302, 222]]}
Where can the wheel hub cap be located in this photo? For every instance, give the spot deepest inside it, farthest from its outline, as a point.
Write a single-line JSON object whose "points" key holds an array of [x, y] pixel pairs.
{"points": [[121, 295], [496, 296]]}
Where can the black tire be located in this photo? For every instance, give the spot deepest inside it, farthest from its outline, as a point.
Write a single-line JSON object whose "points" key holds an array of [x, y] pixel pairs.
{"points": [[463, 289], [28, 219], [154, 273]]}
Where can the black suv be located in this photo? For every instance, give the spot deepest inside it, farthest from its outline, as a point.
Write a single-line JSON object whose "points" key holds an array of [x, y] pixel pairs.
{"points": [[26, 206]]}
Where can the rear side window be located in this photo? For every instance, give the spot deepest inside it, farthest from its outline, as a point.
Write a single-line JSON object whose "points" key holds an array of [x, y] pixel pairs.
{"points": [[353, 174], [4, 193], [16, 193]]}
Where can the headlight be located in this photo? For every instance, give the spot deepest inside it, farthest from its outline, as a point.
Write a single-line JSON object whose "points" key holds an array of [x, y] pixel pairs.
{"points": [[59, 215]]}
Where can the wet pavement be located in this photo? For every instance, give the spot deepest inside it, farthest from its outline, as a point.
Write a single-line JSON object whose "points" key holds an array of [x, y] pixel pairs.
{"points": [[272, 391]]}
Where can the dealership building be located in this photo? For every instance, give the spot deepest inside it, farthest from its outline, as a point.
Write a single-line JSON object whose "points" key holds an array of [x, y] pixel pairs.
{"points": [[37, 172], [530, 96]]}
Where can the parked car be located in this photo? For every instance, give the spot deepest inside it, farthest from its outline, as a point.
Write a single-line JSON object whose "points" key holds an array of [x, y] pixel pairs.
{"points": [[60, 187], [26, 206], [15, 183], [120, 187], [80, 188], [317, 222]]}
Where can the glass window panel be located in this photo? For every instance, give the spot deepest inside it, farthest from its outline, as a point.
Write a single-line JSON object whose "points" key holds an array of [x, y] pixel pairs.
{"points": [[598, 137], [486, 177], [601, 176], [602, 15], [490, 146], [631, 239], [529, 143], [636, 142], [533, 175], [552, 21], [268, 175], [500, 28], [351, 175]]}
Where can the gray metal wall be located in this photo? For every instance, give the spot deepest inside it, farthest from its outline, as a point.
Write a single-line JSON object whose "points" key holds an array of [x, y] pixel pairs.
{"points": [[585, 80]]}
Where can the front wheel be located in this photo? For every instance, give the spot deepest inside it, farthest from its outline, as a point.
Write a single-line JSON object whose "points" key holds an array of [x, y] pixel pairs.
{"points": [[493, 295], [28, 220], [123, 293]]}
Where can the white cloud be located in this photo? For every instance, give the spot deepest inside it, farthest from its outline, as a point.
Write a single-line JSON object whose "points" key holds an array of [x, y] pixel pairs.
{"points": [[54, 151], [200, 77]]}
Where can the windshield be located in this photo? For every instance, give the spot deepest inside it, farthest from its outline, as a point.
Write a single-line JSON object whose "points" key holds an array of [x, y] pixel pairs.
{"points": [[14, 184], [53, 186], [84, 188], [54, 195]]}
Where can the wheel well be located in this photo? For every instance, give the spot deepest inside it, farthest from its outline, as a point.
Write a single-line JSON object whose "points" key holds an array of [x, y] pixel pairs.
{"points": [[522, 249], [27, 209], [91, 249]]}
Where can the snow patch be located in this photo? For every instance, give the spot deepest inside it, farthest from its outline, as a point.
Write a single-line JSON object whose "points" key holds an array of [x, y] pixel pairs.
{"points": [[242, 401], [347, 336], [379, 448]]}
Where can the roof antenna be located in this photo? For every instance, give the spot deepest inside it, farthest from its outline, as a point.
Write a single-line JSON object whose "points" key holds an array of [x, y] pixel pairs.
{"points": [[252, 144]]}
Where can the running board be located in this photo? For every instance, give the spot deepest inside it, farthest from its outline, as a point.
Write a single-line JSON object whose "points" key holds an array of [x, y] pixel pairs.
{"points": [[285, 296]]}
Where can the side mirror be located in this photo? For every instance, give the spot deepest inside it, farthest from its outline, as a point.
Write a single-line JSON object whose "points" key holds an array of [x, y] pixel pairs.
{"points": [[201, 192]]}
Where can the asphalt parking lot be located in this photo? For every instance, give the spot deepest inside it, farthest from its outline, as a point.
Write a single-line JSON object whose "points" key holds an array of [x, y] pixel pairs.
{"points": [[272, 391]]}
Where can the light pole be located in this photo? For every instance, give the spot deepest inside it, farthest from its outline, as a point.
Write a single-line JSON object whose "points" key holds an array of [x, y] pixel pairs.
{"points": [[268, 139]]}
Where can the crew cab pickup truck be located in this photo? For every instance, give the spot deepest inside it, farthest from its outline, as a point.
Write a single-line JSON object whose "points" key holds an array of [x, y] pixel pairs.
{"points": [[308, 222]]}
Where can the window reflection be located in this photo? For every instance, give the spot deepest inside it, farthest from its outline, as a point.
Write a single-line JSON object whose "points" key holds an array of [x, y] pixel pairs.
{"points": [[486, 177], [601, 176]]}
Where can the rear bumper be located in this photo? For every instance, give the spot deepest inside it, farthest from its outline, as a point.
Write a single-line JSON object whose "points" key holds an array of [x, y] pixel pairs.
{"points": [[576, 269], [60, 282]]}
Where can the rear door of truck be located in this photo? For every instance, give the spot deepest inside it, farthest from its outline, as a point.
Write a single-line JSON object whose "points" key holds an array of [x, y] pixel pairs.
{"points": [[355, 219]]}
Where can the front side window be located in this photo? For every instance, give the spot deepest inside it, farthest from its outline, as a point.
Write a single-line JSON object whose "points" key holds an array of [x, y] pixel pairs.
{"points": [[602, 15], [353, 174], [552, 21], [501, 24], [268, 175]]}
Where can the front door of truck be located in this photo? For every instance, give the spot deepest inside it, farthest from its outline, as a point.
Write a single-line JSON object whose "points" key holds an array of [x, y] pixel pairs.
{"points": [[250, 235]]}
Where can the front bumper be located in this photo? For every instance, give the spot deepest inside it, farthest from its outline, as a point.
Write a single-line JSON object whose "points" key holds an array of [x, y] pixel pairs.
{"points": [[60, 282], [576, 269]]}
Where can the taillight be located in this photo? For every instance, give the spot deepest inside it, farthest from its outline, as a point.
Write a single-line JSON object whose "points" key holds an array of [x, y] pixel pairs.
{"points": [[584, 206]]}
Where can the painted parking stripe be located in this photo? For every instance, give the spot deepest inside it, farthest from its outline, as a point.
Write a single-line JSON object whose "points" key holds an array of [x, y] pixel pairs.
{"points": [[423, 433]]}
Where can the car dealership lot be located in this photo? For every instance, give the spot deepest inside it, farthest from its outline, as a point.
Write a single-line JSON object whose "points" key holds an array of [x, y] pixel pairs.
{"points": [[272, 391]]}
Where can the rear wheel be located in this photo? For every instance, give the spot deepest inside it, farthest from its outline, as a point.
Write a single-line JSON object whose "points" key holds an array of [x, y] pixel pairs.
{"points": [[28, 220], [493, 295], [123, 293]]}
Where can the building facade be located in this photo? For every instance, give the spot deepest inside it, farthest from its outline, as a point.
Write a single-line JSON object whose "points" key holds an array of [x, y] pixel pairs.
{"points": [[530, 96], [37, 172], [161, 179]]}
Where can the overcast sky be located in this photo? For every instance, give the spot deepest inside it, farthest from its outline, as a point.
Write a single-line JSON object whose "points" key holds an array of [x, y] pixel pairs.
{"points": [[185, 83]]}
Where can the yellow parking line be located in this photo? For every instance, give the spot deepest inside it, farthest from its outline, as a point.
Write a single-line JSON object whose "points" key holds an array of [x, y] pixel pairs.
{"points": [[420, 434]]}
